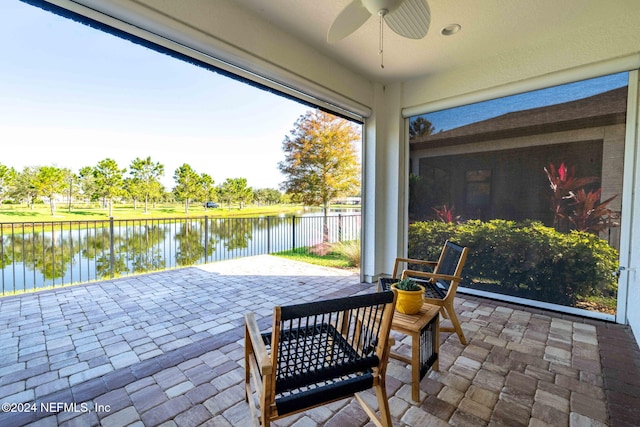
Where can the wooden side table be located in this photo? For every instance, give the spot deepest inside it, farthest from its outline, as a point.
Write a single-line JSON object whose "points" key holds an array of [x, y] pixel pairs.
{"points": [[424, 330]]}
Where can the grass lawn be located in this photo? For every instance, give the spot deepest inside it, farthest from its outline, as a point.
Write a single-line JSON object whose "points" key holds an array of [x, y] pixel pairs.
{"points": [[332, 256], [42, 213]]}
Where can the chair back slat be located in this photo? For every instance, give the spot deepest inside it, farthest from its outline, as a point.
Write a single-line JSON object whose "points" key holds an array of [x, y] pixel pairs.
{"points": [[449, 259], [324, 340], [450, 263], [328, 306]]}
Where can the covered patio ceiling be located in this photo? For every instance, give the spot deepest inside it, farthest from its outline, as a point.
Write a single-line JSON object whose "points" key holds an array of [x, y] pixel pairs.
{"points": [[491, 30]]}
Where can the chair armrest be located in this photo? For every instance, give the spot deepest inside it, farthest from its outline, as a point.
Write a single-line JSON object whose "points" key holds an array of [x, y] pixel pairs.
{"points": [[416, 261], [427, 275], [259, 349], [399, 260]]}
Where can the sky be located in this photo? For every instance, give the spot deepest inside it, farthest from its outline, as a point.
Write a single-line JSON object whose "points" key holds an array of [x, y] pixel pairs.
{"points": [[71, 96]]}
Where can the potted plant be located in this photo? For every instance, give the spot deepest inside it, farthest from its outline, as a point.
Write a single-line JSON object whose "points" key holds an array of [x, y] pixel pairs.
{"points": [[410, 296]]}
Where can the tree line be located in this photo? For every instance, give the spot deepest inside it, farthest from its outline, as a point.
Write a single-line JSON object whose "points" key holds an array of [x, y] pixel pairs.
{"points": [[139, 183], [320, 164]]}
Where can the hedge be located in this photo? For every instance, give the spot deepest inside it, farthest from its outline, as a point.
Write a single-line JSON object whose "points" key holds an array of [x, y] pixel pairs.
{"points": [[524, 259]]}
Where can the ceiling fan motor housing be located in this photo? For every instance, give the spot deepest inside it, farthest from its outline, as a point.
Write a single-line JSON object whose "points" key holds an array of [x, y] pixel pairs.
{"points": [[375, 6]]}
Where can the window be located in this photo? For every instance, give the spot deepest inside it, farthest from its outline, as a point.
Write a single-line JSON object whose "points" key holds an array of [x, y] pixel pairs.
{"points": [[547, 161]]}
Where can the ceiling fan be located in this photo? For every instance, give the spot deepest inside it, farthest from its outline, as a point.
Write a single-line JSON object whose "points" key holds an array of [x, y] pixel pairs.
{"points": [[408, 18]]}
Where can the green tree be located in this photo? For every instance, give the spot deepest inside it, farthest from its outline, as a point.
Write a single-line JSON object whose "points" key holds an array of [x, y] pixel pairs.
{"points": [[243, 192], [132, 190], [109, 181], [24, 188], [158, 193], [209, 193], [72, 186], [146, 175], [7, 178], [188, 185], [50, 181], [267, 196], [235, 190], [321, 161], [419, 127], [87, 183]]}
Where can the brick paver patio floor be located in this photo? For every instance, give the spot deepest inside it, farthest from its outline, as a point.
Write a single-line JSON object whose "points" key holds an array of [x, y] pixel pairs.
{"points": [[167, 349]]}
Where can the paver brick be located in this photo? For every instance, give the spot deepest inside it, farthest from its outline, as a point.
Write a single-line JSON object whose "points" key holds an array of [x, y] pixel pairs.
{"points": [[150, 354], [148, 397], [73, 369], [118, 378], [489, 380], [23, 374], [558, 355], [166, 411], [51, 387], [540, 374], [451, 395], [200, 374], [12, 388], [483, 396], [580, 420], [87, 419], [224, 400], [117, 348], [194, 416], [20, 397], [91, 373], [121, 418], [124, 359], [179, 389], [88, 390], [476, 409], [550, 414], [418, 417], [169, 377], [11, 367], [578, 386], [114, 401], [201, 393], [510, 414], [589, 406]]}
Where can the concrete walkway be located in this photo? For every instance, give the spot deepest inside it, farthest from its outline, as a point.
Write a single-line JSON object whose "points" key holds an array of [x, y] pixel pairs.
{"points": [[167, 349]]}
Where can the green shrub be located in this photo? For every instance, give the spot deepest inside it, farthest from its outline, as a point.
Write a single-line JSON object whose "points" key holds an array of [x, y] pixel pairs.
{"points": [[524, 259]]}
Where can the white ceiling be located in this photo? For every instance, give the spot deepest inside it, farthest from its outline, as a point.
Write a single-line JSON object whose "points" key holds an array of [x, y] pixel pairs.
{"points": [[490, 29], [501, 41]]}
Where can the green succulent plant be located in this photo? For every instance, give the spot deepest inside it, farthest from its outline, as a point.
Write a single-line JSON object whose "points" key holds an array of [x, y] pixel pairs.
{"points": [[407, 285]]}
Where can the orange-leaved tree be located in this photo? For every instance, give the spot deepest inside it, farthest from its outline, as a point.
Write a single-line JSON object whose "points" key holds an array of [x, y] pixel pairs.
{"points": [[321, 161]]}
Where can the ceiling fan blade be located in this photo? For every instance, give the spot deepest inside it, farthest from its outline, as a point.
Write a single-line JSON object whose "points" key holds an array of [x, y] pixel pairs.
{"points": [[411, 19], [349, 20]]}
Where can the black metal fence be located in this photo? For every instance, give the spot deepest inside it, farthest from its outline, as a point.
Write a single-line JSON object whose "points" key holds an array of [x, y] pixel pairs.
{"points": [[36, 255]]}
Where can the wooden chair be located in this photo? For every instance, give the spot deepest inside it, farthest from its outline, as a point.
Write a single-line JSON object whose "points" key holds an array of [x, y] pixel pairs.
{"points": [[318, 353], [400, 264], [441, 284]]}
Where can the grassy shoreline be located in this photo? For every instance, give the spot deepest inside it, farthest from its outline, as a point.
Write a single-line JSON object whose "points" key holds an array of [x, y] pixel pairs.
{"points": [[41, 213]]}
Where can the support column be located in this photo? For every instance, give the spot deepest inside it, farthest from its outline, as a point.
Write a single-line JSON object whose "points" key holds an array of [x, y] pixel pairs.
{"points": [[385, 184]]}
